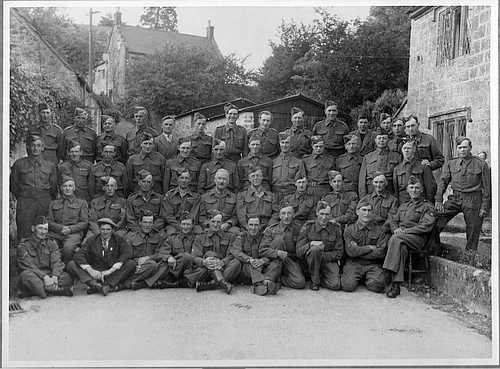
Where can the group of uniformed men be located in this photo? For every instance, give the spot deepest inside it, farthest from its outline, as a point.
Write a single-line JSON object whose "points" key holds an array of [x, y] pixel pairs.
{"points": [[261, 208]]}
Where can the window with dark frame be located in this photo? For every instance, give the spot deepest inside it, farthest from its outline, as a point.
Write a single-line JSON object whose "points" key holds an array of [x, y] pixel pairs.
{"points": [[453, 33], [446, 127]]}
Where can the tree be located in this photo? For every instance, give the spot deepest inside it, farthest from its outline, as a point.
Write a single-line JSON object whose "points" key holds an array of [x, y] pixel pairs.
{"points": [[160, 18]]}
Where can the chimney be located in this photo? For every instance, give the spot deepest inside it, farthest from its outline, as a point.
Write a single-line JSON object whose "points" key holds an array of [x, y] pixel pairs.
{"points": [[210, 32], [118, 17]]}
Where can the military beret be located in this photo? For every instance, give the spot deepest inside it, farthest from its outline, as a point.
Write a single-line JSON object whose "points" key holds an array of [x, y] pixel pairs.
{"points": [[73, 143], [40, 219], [66, 178], [380, 132], [43, 106], [254, 137], [283, 135], [138, 108], [384, 116], [333, 173], [222, 171], [316, 139], [146, 213], [198, 116], [167, 117], [143, 174], [322, 205], [33, 138], [414, 180], [218, 142], [254, 168], [296, 110], [330, 103], [80, 112], [379, 174], [184, 139], [363, 203], [105, 117], [186, 215], [299, 176], [106, 221], [108, 180], [109, 145], [146, 136], [461, 139], [229, 106], [350, 137]]}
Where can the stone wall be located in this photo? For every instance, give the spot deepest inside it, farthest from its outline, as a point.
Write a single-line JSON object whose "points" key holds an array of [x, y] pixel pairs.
{"points": [[460, 82]]}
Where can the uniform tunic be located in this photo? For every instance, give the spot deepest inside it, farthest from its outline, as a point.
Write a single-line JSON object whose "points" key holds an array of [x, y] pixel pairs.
{"points": [[317, 168], [207, 175], [51, 135], [402, 173], [286, 168], [85, 136], [366, 141], [300, 142], [145, 244], [235, 137], [333, 133], [119, 142], [140, 201], [201, 147], [225, 202], [428, 148], [113, 169], [174, 168], [304, 207], [134, 138], [378, 161], [153, 162], [343, 206], [249, 204], [251, 161], [104, 206], [384, 207], [81, 172], [169, 148], [175, 204], [269, 140]]}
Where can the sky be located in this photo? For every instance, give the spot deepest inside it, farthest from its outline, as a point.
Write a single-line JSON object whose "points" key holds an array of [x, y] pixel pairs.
{"points": [[243, 30]]}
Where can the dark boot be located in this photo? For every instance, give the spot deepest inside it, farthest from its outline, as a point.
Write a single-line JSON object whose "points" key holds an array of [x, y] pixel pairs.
{"points": [[394, 291], [93, 287], [223, 284], [62, 292], [138, 285], [165, 284], [206, 286]]}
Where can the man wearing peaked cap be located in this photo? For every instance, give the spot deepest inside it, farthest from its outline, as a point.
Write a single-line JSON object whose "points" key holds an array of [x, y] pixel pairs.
{"points": [[268, 136], [48, 131], [349, 164], [317, 166], [233, 135], [332, 130], [201, 143], [81, 171], [167, 142], [142, 124], [110, 137], [219, 161], [80, 132]]}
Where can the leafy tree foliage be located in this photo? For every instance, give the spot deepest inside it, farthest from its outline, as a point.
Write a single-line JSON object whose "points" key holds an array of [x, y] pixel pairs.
{"points": [[160, 18]]}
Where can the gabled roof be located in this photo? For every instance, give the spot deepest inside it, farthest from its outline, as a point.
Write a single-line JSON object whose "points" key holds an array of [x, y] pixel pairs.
{"points": [[146, 41], [210, 111]]}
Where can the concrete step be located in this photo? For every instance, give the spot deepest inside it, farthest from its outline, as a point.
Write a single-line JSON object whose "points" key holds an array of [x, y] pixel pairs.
{"points": [[453, 248]]}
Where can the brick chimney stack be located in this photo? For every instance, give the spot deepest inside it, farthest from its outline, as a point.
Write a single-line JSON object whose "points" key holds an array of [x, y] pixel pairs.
{"points": [[210, 33]]}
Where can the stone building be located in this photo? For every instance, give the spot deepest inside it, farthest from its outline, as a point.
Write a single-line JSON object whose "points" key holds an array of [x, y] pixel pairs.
{"points": [[449, 74], [128, 42]]}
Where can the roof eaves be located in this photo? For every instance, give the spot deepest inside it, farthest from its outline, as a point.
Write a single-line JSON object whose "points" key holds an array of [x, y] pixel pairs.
{"points": [[213, 106], [421, 11]]}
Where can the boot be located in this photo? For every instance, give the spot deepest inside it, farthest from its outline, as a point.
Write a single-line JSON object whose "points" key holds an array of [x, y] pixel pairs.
{"points": [[165, 284], [137, 285], [223, 284], [394, 291], [94, 287], [206, 286], [62, 292]]}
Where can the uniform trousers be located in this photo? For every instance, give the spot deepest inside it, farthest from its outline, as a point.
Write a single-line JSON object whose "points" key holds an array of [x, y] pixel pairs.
{"points": [[165, 272], [33, 285], [251, 275], [127, 269], [397, 252], [326, 273], [201, 274], [355, 271]]}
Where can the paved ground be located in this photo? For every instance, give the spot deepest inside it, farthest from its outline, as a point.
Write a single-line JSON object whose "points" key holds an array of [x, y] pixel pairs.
{"points": [[185, 325]]}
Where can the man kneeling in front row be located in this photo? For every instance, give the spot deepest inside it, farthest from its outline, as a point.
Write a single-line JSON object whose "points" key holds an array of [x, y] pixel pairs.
{"points": [[103, 261]]}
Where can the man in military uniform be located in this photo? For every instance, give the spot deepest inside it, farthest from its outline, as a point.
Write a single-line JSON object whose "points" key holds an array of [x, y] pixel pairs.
{"points": [[321, 246], [166, 143], [233, 135], [221, 199], [109, 205], [208, 170], [300, 138], [427, 147], [286, 168], [349, 164], [41, 266], [332, 130], [103, 261], [144, 199], [174, 167], [178, 201], [384, 205], [255, 201], [398, 135], [215, 266], [255, 270], [48, 131], [80, 170], [342, 203], [302, 202], [411, 227], [471, 184], [110, 137], [412, 166], [365, 246], [317, 166], [142, 125], [109, 167], [268, 136], [146, 252], [68, 218], [366, 137], [381, 160], [278, 245], [201, 143], [33, 181], [253, 159], [385, 124], [81, 133]]}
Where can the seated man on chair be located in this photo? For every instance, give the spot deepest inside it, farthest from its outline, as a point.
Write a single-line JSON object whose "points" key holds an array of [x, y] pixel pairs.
{"points": [[411, 227]]}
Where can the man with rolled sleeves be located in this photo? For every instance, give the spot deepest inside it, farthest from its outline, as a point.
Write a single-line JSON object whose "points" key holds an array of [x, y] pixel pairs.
{"points": [[253, 159], [366, 137], [349, 164], [215, 266], [470, 181], [33, 181], [142, 125], [144, 199], [233, 135], [48, 131], [166, 143], [279, 246], [427, 147], [398, 135], [109, 205], [384, 205], [109, 167], [178, 201], [208, 170], [184, 160], [147, 253], [286, 168], [365, 246], [321, 246], [42, 270], [81, 133], [342, 203], [201, 143], [221, 199], [149, 160], [268, 136], [257, 271], [80, 170], [300, 138], [412, 166], [332, 130], [68, 218], [411, 227], [301, 201], [103, 261], [317, 166], [255, 201], [381, 160], [110, 137]]}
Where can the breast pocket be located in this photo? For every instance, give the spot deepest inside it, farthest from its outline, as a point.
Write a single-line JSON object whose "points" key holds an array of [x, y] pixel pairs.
{"points": [[50, 140], [423, 151], [57, 211], [229, 206], [73, 212], [115, 211]]}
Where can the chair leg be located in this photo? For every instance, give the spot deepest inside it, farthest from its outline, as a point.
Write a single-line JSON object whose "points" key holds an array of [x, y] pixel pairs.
{"points": [[410, 269]]}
